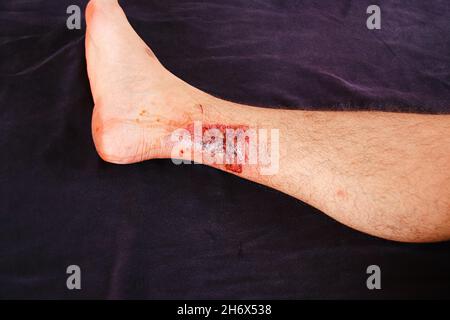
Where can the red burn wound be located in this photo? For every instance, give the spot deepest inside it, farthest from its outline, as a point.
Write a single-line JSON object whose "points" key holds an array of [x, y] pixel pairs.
{"points": [[233, 167]]}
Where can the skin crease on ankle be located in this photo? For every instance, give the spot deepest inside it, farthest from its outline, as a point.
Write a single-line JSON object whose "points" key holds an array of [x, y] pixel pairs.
{"points": [[386, 174]]}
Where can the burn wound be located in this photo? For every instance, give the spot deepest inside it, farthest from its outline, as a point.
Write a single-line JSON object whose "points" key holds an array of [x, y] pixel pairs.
{"points": [[222, 145]]}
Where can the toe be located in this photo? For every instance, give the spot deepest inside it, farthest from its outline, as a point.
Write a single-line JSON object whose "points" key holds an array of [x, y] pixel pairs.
{"points": [[100, 9]]}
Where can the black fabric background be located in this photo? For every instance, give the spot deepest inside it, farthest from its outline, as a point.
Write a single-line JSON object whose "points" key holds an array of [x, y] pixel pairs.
{"points": [[156, 230]]}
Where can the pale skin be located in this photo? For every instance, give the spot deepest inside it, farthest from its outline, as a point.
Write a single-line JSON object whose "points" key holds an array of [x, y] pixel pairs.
{"points": [[385, 174]]}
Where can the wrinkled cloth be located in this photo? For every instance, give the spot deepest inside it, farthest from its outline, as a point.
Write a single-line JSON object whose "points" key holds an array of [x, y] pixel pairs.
{"points": [[157, 230]]}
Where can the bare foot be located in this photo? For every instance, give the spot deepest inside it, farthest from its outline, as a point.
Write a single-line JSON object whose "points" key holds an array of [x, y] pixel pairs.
{"points": [[138, 103]]}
